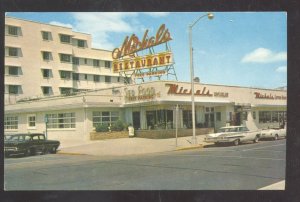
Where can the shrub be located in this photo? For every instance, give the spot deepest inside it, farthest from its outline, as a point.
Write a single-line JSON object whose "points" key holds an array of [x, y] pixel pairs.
{"points": [[102, 128], [117, 126]]}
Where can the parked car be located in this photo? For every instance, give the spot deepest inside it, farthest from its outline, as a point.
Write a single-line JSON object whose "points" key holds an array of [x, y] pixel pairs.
{"points": [[29, 144], [234, 135], [273, 133]]}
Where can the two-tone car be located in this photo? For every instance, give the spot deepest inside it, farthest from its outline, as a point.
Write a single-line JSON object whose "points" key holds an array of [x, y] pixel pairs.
{"points": [[29, 144], [234, 135], [273, 133]]}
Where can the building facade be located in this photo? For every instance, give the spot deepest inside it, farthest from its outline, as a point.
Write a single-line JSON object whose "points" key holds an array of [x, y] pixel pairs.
{"points": [[158, 105], [44, 60]]}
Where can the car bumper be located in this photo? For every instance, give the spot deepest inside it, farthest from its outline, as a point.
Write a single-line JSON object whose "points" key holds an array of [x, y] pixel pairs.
{"points": [[219, 139], [8, 152]]}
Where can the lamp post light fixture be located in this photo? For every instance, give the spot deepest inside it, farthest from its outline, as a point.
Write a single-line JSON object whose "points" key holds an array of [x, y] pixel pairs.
{"points": [[209, 16]]}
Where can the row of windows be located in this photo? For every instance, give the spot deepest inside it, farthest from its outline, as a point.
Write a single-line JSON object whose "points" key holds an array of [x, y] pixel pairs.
{"points": [[46, 90], [64, 38], [77, 77], [46, 55], [62, 120]]}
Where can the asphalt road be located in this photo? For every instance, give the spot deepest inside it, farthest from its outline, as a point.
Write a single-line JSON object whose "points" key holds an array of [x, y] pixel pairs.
{"points": [[243, 167]]}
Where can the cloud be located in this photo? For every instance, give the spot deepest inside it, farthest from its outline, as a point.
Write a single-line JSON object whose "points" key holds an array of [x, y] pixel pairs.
{"points": [[263, 55], [157, 14], [281, 69], [61, 24], [101, 25]]}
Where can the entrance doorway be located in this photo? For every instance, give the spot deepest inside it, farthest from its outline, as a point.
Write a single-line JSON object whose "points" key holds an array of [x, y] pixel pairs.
{"points": [[136, 120]]}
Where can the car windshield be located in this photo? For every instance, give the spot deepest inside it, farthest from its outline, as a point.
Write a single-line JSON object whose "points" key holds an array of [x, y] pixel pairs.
{"points": [[222, 130]]}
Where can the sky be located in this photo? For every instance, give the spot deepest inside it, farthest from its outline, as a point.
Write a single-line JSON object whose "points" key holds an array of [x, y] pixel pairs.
{"points": [[234, 48]]}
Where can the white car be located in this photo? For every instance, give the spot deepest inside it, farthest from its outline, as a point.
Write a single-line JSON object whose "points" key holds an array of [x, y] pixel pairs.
{"points": [[273, 133], [233, 134]]}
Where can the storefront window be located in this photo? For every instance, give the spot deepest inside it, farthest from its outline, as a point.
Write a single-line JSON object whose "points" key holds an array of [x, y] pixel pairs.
{"points": [[61, 120], [187, 118], [159, 119], [106, 117], [271, 116]]}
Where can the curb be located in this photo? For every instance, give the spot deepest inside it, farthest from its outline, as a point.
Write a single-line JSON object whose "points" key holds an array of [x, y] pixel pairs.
{"points": [[189, 148], [70, 153]]}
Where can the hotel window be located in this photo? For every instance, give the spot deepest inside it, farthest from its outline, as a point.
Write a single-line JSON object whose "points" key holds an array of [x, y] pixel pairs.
{"points": [[13, 89], [46, 90], [31, 121], [13, 52], [107, 79], [119, 79], [13, 30], [107, 64], [81, 43], [65, 38], [85, 77], [75, 77], [46, 35], [96, 78], [65, 74], [75, 60], [61, 120], [96, 63], [46, 55], [13, 70], [46, 73], [10, 122], [65, 57], [85, 61], [106, 117]]}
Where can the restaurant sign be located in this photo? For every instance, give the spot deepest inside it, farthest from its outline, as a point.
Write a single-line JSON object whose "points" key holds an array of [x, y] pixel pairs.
{"points": [[125, 58], [174, 89], [142, 93], [269, 96], [148, 61]]}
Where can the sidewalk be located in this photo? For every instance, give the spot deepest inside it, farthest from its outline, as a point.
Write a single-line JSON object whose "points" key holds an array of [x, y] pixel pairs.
{"points": [[128, 146]]}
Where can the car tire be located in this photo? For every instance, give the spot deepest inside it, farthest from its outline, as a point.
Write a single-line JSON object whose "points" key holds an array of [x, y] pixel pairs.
{"points": [[29, 152], [236, 142], [276, 137], [45, 151], [218, 144], [53, 150], [256, 139]]}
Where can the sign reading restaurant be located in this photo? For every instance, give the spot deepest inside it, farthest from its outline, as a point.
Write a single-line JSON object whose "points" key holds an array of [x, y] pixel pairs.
{"points": [[125, 58]]}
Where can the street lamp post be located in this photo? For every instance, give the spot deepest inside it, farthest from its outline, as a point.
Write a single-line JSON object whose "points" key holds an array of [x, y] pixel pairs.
{"points": [[210, 16]]}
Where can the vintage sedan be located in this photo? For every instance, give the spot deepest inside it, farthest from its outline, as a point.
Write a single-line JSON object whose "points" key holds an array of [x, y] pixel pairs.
{"points": [[29, 144], [234, 135], [273, 133]]}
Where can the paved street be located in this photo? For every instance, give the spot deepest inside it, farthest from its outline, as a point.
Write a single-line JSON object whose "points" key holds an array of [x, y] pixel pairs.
{"points": [[245, 167]]}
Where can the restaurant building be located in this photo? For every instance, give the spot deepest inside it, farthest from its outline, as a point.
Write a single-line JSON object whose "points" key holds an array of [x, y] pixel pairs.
{"points": [[148, 106]]}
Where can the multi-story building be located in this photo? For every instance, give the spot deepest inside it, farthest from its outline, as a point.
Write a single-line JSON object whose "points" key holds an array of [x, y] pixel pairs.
{"points": [[43, 60]]}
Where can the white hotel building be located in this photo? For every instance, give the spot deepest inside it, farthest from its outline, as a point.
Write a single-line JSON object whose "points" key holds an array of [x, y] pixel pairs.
{"points": [[44, 60], [148, 106]]}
